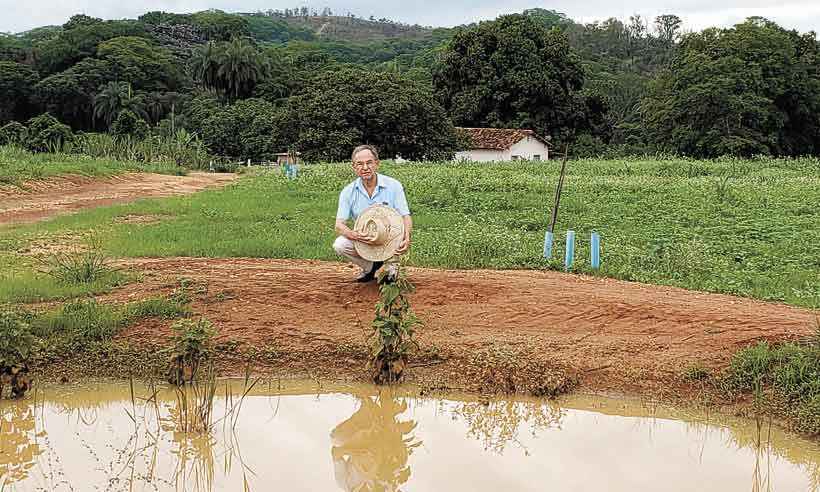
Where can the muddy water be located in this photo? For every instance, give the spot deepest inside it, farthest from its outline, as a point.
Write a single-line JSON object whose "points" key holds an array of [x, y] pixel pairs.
{"points": [[299, 436]]}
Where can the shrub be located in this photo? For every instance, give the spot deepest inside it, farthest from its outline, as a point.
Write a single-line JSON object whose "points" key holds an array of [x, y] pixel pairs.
{"points": [[13, 133], [47, 134], [128, 124], [192, 345], [393, 329], [16, 338]]}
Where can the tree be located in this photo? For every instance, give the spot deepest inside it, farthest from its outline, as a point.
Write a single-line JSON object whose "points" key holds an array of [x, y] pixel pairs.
{"points": [[241, 67], [667, 27], [247, 129], [220, 26], [73, 45], [115, 97], [342, 108], [12, 48], [751, 89], [205, 64], [80, 20], [16, 90], [512, 72], [69, 95], [144, 65]]}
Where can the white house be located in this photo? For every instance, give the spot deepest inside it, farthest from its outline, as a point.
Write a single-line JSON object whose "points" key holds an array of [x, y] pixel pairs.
{"points": [[502, 144]]}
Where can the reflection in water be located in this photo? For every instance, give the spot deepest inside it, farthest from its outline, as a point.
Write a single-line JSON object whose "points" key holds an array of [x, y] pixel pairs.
{"points": [[496, 423], [102, 438], [18, 441], [370, 450]]}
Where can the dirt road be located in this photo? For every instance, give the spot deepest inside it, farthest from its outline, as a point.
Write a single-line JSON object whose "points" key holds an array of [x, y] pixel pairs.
{"points": [[609, 334], [43, 199]]}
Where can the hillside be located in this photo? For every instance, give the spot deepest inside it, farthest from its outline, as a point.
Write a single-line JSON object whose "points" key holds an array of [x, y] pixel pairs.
{"points": [[355, 29]]}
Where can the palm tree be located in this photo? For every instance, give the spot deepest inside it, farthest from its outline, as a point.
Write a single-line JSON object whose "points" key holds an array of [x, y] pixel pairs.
{"points": [[241, 66], [171, 99], [155, 105], [205, 63], [108, 102], [115, 97]]}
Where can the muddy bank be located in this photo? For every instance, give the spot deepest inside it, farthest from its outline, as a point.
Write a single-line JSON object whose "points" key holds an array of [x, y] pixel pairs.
{"points": [[509, 331]]}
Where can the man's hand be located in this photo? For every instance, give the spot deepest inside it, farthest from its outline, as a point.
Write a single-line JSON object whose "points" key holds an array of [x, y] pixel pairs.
{"points": [[357, 236], [404, 246]]}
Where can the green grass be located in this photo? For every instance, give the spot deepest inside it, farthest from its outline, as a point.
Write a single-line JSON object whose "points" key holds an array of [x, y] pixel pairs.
{"points": [[744, 227], [24, 280], [18, 166], [791, 371], [81, 322]]}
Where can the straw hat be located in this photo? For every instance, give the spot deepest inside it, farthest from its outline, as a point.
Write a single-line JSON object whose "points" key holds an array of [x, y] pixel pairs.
{"points": [[386, 226]]}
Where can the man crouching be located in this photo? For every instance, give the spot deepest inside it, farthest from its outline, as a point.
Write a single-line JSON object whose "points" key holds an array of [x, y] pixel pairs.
{"points": [[370, 188]]}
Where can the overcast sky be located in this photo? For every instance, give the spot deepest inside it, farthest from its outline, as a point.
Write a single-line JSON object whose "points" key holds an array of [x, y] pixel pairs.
{"points": [[804, 15]]}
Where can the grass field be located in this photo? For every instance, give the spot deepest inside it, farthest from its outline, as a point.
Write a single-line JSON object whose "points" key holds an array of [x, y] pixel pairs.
{"points": [[18, 166], [745, 227]]}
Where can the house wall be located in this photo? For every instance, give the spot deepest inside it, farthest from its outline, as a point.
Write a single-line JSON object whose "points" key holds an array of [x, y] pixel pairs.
{"points": [[480, 155], [529, 147], [526, 148]]}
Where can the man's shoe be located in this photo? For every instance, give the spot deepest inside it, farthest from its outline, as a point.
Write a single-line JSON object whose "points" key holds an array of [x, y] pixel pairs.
{"points": [[371, 275]]}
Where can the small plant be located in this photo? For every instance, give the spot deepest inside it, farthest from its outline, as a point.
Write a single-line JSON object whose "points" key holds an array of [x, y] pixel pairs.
{"points": [[80, 266], [696, 372], [393, 328], [193, 343], [16, 345]]}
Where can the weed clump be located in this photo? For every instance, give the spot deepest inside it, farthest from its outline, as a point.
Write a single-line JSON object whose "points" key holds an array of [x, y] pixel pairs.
{"points": [[16, 345], [788, 375], [80, 266], [512, 370], [393, 329], [193, 344], [696, 372]]}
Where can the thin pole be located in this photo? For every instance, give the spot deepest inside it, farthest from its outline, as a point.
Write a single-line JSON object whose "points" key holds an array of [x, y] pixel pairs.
{"points": [[558, 189]]}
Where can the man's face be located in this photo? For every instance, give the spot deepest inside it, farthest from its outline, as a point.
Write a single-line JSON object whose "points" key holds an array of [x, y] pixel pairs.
{"points": [[365, 164]]}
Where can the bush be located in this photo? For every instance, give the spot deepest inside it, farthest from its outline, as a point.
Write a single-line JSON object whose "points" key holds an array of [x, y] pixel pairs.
{"points": [[128, 124], [47, 134], [193, 340], [16, 339], [13, 133]]}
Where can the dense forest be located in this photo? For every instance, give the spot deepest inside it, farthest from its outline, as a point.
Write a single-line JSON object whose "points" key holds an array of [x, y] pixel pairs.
{"points": [[249, 85]]}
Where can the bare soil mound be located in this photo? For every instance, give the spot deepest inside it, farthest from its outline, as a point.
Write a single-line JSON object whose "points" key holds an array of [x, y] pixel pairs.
{"points": [[609, 334], [40, 200]]}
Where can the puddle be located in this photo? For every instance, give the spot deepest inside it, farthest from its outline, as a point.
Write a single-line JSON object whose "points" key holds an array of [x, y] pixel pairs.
{"points": [[301, 436]]}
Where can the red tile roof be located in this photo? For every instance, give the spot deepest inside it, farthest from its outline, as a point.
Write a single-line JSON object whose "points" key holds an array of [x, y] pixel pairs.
{"points": [[496, 138]]}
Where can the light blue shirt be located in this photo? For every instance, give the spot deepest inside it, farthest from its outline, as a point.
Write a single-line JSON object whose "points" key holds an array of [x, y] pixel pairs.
{"points": [[353, 200]]}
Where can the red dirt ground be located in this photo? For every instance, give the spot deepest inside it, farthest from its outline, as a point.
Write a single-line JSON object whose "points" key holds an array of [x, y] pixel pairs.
{"points": [[43, 199], [609, 334]]}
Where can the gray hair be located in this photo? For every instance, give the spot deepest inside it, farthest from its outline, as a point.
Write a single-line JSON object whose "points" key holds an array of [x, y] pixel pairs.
{"points": [[365, 147]]}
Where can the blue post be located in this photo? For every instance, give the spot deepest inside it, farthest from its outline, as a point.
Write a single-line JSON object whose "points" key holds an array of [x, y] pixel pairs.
{"points": [[570, 251], [595, 251], [548, 237]]}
